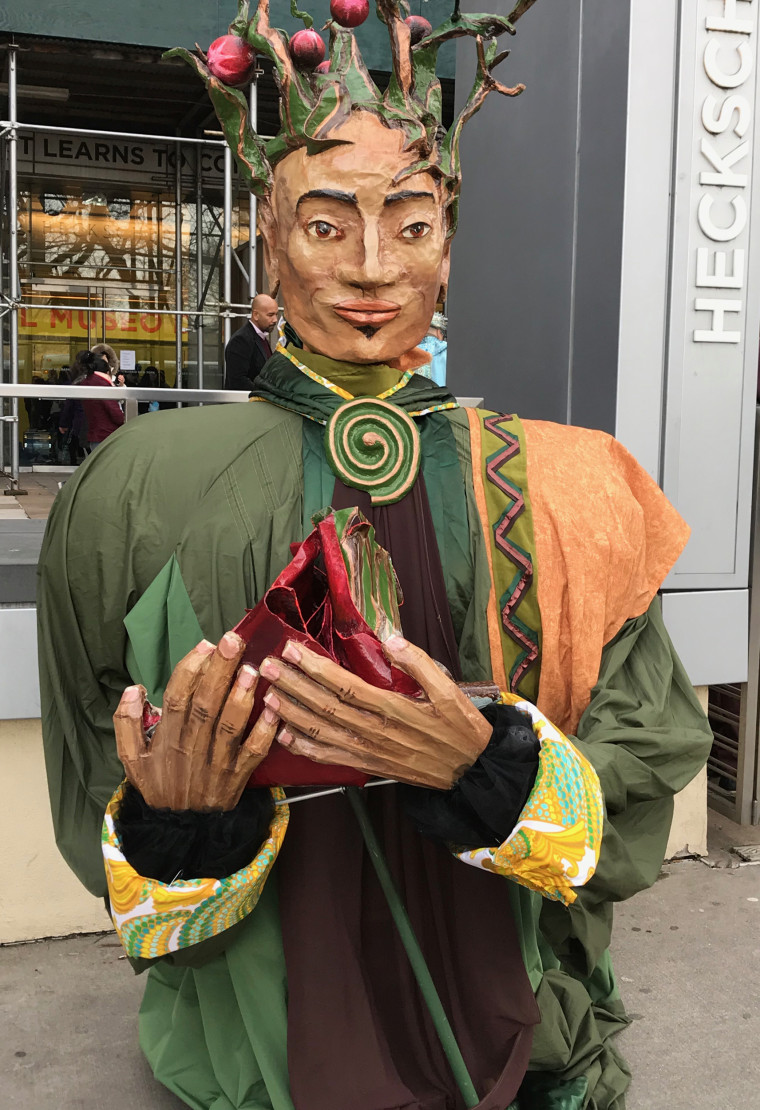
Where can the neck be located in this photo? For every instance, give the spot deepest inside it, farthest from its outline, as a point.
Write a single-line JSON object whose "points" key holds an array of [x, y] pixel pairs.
{"points": [[360, 379]]}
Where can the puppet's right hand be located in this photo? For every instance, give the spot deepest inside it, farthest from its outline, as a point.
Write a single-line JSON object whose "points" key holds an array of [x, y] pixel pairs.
{"points": [[197, 757]]}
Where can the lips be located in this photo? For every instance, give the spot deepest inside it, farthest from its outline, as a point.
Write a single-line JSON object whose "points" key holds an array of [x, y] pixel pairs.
{"points": [[368, 313]]}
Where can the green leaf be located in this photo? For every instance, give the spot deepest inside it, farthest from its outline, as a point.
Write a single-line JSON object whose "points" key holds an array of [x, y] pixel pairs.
{"points": [[308, 21], [348, 64], [231, 108], [240, 23], [481, 23]]}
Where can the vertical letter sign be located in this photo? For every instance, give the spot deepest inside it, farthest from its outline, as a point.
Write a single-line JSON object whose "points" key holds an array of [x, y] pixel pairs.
{"points": [[715, 299]]}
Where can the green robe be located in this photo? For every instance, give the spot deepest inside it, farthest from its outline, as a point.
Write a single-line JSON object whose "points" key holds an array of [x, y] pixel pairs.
{"points": [[171, 530]]}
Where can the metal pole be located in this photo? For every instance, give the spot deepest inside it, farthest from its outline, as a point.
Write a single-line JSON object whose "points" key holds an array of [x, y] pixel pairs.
{"points": [[227, 261], [413, 951], [3, 221], [13, 285], [199, 262], [252, 203], [178, 263]]}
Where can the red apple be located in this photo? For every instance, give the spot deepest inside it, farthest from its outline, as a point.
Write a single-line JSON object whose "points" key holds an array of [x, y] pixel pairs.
{"points": [[307, 49], [419, 27], [349, 13], [323, 67], [232, 60]]}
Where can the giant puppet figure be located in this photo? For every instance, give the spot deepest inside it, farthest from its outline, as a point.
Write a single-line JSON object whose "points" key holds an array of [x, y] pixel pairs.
{"points": [[529, 556]]}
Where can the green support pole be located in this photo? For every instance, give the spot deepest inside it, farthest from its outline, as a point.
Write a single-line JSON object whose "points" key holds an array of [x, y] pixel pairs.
{"points": [[413, 951]]}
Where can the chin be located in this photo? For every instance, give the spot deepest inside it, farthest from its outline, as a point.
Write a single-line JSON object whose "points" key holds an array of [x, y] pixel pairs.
{"points": [[351, 345]]}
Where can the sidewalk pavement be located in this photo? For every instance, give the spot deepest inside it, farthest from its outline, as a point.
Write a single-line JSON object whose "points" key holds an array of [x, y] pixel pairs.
{"points": [[36, 502], [687, 955]]}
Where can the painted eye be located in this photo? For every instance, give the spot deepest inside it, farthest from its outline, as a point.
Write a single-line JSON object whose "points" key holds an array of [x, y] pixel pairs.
{"points": [[320, 229], [416, 231]]}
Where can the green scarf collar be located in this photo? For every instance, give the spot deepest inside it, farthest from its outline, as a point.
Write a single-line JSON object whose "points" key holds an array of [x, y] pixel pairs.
{"points": [[282, 383], [367, 380]]}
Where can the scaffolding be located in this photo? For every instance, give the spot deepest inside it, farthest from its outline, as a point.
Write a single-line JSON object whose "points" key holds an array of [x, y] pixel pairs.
{"points": [[12, 303]]}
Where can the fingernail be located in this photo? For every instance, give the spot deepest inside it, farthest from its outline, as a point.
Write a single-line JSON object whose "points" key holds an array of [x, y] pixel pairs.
{"points": [[291, 653], [229, 645], [268, 715], [246, 677], [205, 647], [270, 669], [284, 738], [396, 643], [272, 700], [133, 701]]}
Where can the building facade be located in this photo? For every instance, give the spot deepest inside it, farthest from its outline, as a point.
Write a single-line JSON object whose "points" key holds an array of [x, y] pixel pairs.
{"points": [[607, 273]]}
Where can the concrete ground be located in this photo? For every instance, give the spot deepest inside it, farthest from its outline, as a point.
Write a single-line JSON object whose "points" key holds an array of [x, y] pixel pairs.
{"points": [[40, 493], [687, 954]]}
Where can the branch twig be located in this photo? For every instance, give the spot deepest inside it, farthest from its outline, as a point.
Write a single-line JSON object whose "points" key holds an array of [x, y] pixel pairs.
{"points": [[520, 9]]}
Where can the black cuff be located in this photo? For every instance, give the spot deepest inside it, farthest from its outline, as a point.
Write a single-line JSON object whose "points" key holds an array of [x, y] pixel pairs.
{"points": [[482, 808], [165, 844]]}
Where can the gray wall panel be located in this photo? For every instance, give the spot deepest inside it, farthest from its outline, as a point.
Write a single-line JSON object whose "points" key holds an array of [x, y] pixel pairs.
{"points": [[543, 217], [510, 290], [19, 680], [600, 208], [720, 655]]}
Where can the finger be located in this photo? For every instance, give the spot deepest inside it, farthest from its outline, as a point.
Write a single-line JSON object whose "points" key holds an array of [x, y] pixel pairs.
{"points": [[179, 690], [441, 691], [409, 733], [322, 701], [234, 716], [318, 728], [131, 742], [371, 764], [212, 691], [352, 690], [421, 667], [258, 742], [379, 754]]}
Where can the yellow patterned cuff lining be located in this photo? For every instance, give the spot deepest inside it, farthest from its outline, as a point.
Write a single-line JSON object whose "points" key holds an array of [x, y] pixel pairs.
{"points": [[154, 919], [554, 847]]}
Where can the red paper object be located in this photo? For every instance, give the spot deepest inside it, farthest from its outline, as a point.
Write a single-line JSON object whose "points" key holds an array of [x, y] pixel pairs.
{"points": [[314, 602]]}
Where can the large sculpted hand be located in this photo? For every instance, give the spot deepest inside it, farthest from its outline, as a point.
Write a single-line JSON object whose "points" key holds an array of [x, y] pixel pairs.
{"points": [[197, 757], [331, 716]]}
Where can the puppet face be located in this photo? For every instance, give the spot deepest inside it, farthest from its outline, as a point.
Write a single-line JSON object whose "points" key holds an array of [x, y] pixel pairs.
{"points": [[360, 257]]}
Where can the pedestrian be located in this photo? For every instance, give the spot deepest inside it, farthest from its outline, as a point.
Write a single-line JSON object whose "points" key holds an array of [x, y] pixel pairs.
{"points": [[149, 379], [249, 348], [435, 344], [103, 417], [105, 351]]}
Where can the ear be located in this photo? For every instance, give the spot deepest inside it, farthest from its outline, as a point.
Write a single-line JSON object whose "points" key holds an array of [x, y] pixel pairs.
{"points": [[268, 229]]}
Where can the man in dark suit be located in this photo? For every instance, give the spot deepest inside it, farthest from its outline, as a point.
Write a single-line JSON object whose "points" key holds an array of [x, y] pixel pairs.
{"points": [[249, 348]]}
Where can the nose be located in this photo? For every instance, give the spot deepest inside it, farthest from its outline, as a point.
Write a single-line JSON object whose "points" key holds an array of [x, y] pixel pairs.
{"points": [[370, 267]]}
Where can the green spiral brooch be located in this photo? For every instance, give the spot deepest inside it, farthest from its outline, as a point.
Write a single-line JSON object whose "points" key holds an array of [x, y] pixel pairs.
{"points": [[374, 446]]}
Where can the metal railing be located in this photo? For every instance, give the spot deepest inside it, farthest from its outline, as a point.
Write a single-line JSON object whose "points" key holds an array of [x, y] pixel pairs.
{"points": [[129, 395], [56, 391]]}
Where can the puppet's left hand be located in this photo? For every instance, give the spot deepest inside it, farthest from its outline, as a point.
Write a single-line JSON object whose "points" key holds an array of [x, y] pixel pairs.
{"points": [[332, 716]]}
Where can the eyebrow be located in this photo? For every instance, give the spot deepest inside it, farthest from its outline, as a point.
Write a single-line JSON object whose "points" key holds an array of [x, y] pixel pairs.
{"points": [[328, 194], [406, 194]]}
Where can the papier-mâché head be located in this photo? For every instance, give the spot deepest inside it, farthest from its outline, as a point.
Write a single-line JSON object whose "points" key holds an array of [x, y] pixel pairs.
{"points": [[358, 192]]}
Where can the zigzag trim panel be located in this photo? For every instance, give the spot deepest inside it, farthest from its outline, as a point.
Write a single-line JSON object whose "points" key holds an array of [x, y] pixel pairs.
{"points": [[524, 637]]}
